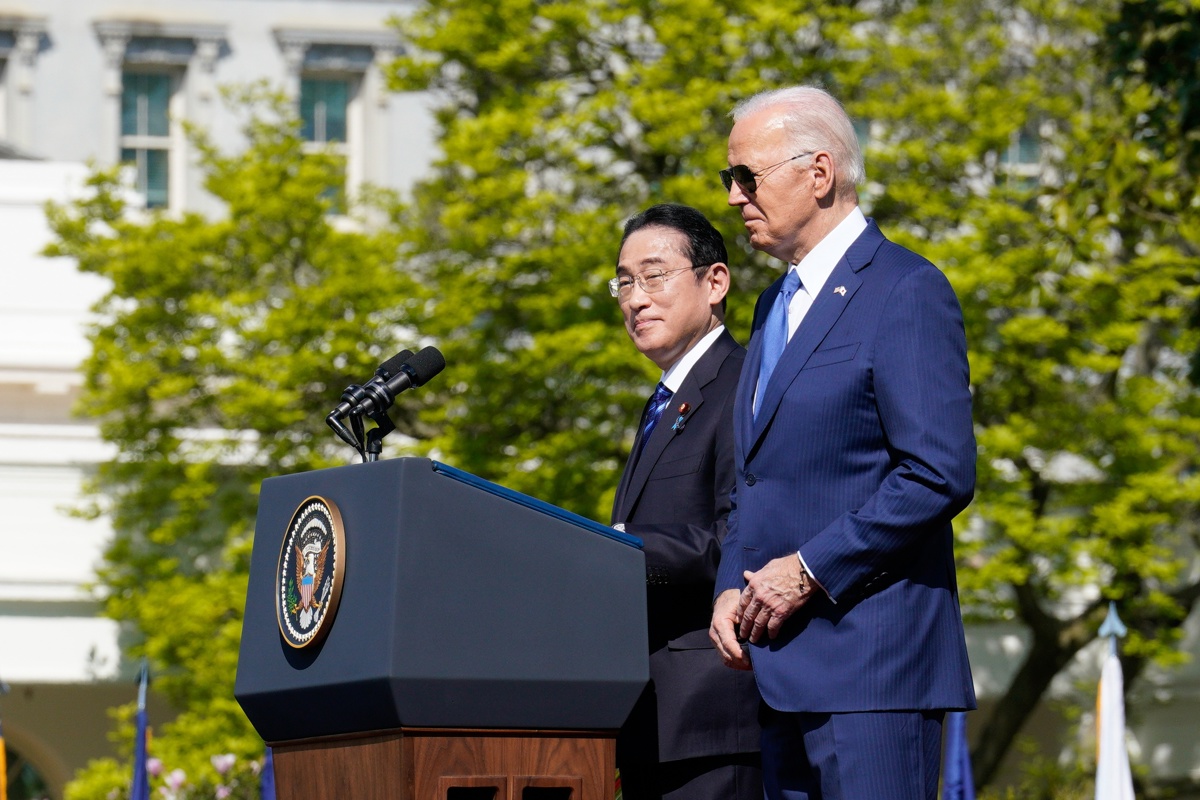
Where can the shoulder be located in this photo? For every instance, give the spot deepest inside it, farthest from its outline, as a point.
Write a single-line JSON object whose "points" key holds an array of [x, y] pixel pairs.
{"points": [[905, 272], [728, 353]]}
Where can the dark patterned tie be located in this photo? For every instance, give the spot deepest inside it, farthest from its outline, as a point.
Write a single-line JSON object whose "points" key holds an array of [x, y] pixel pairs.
{"points": [[775, 334], [654, 409]]}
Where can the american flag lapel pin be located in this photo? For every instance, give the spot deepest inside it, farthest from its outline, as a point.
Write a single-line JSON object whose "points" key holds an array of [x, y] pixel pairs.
{"points": [[841, 290]]}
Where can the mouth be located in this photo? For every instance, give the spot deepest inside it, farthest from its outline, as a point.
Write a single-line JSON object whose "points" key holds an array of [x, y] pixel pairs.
{"points": [[641, 323]]}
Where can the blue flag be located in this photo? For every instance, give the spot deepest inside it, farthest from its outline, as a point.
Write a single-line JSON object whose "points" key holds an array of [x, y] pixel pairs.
{"points": [[141, 779], [266, 785], [958, 783]]}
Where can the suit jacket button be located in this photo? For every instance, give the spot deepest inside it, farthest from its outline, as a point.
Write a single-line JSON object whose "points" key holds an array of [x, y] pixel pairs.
{"points": [[750, 479]]}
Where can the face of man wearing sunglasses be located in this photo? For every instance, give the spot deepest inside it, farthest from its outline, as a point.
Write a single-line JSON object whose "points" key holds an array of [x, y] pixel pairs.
{"points": [[779, 192]]}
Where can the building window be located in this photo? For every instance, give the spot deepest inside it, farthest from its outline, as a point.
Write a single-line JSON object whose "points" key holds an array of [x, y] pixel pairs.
{"points": [[323, 107], [336, 79], [156, 74], [145, 132], [1021, 162], [24, 780], [3, 89]]}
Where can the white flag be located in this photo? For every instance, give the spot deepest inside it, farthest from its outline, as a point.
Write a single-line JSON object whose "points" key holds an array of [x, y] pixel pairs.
{"points": [[1113, 781]]}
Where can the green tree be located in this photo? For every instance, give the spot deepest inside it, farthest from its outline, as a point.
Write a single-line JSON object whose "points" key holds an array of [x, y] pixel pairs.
{"points": [[1077, 278], [222, 345], [1076, 272], [558, 121]]}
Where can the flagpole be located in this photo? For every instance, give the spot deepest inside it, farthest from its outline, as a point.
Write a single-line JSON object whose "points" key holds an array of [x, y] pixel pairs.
{"points": [[3, 755], [1113, 778], [140, 790]]}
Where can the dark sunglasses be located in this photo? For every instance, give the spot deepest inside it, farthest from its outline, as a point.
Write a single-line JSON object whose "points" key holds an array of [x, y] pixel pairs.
{"points": [[748, 179]]}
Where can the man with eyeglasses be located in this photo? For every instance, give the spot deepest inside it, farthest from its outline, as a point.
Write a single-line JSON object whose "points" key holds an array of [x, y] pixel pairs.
{"points": [[854, 450], [693, 734]]}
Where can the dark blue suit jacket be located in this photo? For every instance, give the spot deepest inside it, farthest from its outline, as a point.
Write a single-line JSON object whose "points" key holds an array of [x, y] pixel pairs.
{"points": [[861, 454], [676, 498]]}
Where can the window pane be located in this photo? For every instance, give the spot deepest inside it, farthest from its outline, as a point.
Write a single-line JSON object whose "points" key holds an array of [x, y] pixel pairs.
{"points": [[145, 99], [323, 110], [156, 178], [1028, 148], [151, 168]]}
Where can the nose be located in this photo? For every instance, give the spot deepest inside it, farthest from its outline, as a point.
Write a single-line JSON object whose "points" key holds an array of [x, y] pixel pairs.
{"points": [[737, 195], [637, 297]]}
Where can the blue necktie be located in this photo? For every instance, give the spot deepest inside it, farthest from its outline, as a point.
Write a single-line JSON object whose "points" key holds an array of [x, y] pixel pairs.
{"points": [[654, 409], [775, 334]]}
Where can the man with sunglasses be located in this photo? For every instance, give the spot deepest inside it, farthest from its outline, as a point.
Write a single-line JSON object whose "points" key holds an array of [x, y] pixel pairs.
{"points": [[693, 734], [854, 450]]}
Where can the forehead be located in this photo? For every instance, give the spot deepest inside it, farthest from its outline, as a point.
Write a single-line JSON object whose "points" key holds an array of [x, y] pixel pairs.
{"points": [[651, 247], [759, 135]]}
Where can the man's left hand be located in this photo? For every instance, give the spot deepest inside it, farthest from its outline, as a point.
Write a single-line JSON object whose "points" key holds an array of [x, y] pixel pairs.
{"points": [[772, 595]]}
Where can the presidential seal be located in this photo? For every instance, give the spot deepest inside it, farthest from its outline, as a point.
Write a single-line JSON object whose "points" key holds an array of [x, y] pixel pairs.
{"points": [[308, 580]]}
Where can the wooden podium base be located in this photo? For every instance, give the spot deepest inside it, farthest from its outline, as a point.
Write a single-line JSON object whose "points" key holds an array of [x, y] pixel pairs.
{"points": [[449, 764]]}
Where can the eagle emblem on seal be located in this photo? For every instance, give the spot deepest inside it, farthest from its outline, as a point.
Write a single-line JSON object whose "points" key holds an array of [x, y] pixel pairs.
{"points": [[308, 580], [310, 566]]}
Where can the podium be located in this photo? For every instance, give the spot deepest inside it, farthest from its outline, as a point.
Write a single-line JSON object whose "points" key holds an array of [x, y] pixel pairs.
{"points": [[484, 645]]}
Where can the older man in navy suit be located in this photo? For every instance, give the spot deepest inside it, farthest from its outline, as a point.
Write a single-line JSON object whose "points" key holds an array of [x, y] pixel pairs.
{"points": [[854, 451], [694, 733]]}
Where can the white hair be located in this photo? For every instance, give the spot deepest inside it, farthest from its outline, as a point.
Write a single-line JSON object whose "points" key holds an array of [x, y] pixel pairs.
{"points": [[814, 120]]}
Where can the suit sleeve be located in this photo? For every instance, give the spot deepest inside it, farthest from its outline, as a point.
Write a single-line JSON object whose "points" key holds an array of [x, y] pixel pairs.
{"points": [[921, 384]]}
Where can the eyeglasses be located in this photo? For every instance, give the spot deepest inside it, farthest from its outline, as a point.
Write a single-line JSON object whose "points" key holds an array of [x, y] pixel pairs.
{"points": [[650, 282], [748, 179]]}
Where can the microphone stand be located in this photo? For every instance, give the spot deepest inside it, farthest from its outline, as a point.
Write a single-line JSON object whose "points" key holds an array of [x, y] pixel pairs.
{"points": [[375, 435]]}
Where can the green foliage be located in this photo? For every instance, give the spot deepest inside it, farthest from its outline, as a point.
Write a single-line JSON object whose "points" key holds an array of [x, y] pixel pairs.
{"points": [[222, 345], [1045, 778], [557, 121], [1076, 271], [560, 120]]}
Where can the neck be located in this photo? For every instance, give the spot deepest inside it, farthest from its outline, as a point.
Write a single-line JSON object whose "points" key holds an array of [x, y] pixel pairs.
{"points": [[820, 226]]}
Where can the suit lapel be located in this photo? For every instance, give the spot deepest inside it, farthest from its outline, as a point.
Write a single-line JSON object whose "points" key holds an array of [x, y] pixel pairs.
{"points": [[835, 297], [638, 470]]}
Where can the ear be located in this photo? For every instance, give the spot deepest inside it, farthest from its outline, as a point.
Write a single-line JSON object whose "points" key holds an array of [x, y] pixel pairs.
{"points": [[824, 175], [717, 280]]}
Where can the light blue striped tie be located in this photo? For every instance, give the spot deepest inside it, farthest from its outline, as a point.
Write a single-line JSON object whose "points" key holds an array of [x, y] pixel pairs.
{"points": [[775, 334]]}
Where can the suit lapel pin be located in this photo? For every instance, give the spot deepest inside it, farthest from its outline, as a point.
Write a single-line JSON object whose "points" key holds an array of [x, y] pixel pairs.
{"points": [[841, 290], [684, 408]]}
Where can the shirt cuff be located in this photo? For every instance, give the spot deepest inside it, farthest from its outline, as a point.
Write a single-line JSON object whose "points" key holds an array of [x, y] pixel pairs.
{"points": [[814, 578]]}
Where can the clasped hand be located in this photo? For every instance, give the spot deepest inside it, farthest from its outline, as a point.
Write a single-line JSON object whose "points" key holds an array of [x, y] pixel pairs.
{"points": [[772, 594]]}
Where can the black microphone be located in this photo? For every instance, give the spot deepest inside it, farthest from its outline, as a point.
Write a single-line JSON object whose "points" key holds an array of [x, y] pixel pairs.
{"points": [[355, 394], [415, 372]]}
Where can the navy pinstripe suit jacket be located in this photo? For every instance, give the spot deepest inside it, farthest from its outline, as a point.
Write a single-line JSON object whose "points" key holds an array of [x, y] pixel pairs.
{"points": [[861, 454]]}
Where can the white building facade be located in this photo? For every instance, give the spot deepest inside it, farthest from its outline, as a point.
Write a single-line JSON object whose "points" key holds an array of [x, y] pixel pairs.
{"points": [[101, 82], [107, 81]]}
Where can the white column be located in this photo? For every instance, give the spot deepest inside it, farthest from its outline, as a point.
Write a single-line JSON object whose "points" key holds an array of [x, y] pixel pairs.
{"points": [[110, 127], [23, 61], [293, 58], [377, 97]]}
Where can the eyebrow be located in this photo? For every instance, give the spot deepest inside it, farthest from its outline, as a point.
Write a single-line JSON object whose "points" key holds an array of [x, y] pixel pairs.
{"points": [[651, 261]]}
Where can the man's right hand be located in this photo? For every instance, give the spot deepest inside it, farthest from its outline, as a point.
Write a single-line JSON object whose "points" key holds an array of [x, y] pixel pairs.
{"points": [[723, 630]]}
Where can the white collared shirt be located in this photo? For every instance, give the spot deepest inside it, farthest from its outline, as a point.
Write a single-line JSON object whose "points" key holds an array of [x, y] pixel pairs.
{"points": [[816, 267], [674, 375]]}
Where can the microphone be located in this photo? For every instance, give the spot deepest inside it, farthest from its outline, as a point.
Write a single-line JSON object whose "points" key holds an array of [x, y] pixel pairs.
{"points": [[380, 395], [355, 394]]}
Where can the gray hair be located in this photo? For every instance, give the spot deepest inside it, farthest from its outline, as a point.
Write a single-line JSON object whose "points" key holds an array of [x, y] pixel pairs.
{"points": [[814, 120]]}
